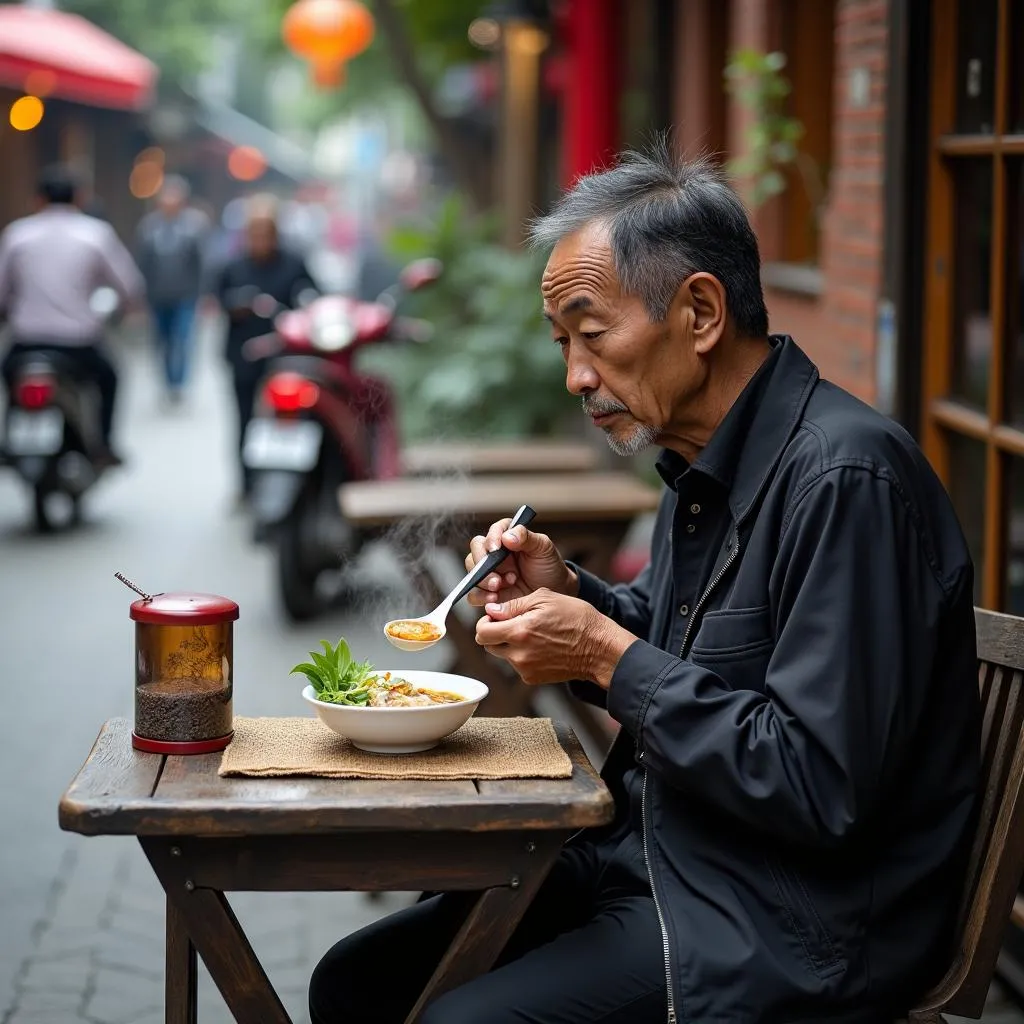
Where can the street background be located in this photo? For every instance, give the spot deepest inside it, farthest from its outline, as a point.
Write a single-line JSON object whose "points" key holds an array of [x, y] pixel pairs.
{"points": [[82, 919], [876, 143]]}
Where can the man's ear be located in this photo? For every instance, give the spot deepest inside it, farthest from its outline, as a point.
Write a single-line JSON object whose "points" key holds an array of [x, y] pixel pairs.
{"points": [[705, 296]]}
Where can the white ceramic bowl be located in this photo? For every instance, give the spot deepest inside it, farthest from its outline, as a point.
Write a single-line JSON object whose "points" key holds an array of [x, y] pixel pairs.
{"points": [[403, 730]]}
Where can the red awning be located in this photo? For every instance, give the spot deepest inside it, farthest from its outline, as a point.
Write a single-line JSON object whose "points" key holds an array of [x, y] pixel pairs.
{"points": [[76, 60]]}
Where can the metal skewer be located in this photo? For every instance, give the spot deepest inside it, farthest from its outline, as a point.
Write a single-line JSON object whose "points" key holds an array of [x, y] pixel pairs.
{"points": [[128, 583]]}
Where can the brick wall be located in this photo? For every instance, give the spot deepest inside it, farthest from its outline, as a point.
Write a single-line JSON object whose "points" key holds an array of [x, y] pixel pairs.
{"points": [[853, 240], [836, 327]]}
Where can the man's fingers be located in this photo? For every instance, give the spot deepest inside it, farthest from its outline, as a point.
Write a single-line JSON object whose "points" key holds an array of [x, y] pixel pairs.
{"points": [[494, 535], [477, 551], [501, 628], [478, 597], [519, 538]]}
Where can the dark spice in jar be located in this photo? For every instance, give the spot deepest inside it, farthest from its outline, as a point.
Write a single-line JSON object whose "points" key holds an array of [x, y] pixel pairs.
{"points": [[183, 710]]}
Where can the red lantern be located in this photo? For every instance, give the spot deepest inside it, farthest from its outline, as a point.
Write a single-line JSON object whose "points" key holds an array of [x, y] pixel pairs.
{"points": [[326, 33], [328, 74]]}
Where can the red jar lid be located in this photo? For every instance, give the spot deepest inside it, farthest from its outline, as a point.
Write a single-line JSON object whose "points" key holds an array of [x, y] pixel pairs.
{"points": [[184, 610]]}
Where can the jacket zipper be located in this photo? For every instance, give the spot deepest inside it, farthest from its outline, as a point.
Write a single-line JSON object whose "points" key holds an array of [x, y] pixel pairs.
{"points": [[666, 952], [671, 1019], [733, 555]]}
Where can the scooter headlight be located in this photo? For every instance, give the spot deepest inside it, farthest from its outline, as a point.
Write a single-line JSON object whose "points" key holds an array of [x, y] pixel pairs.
{"points": [[332, 329]]}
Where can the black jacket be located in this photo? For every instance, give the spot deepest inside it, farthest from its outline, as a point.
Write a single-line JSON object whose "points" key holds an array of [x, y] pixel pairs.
{"points": [[812, 753], [283, 276]]}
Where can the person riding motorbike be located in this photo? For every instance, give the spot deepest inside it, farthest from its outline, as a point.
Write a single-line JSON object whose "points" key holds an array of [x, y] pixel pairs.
{"points": [[263, 269], [51, 264]]}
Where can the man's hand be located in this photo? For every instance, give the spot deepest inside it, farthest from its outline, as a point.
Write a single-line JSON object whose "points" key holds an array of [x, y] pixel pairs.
{"points": [[533, 562], [551, 638]]}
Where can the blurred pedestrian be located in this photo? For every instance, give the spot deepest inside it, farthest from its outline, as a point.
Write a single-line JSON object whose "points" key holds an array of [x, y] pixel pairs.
{"points": [[171, 243], [51, 264], [263, 269]]}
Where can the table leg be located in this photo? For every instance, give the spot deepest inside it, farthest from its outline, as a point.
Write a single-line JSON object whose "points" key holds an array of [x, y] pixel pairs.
{"points": [[180, 993], [487, 928], [216, 934]]}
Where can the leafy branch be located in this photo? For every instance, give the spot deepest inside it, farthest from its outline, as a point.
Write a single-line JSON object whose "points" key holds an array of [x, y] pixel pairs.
{"points": [[757, 81], [490, 369]]}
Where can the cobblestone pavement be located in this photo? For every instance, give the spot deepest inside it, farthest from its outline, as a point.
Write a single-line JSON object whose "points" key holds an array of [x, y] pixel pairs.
{"points": [[97, 954]]}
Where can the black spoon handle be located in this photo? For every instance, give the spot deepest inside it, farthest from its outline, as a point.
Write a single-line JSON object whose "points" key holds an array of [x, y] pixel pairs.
{"points": [[482, 569]]}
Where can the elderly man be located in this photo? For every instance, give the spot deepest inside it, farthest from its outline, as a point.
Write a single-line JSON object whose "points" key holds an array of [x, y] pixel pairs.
{"points": [[793, 673]]}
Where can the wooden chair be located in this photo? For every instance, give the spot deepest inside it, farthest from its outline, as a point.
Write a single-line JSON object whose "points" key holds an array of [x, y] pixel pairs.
{"points": [[997, 857]]}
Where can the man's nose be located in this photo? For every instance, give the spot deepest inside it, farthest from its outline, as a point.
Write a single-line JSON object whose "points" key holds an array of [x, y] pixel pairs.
{"points": [[580, 377]]}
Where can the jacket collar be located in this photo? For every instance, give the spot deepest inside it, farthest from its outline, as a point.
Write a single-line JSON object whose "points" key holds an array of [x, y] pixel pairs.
{"points": [[778, 415], [743, 451]]}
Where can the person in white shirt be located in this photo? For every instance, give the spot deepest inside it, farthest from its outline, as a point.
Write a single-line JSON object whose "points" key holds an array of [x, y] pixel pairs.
{"points": [[51, 263]]}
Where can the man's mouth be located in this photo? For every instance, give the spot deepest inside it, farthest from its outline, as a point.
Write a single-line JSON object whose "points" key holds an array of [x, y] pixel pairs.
{"points": [[602, 412]]}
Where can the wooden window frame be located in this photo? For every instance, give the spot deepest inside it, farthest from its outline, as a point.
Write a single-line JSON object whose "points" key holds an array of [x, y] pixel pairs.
{"points": [[811, 70], [942, 413]]}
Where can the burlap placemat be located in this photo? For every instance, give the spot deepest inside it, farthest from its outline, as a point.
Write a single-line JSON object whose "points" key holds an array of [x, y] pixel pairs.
{"points": [[484, 748]]}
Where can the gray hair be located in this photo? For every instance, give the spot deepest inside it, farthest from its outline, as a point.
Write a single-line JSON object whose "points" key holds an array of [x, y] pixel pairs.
{"points": [[667, 218]]}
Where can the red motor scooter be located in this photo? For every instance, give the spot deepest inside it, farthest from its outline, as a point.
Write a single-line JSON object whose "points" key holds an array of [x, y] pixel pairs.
{"points": [[319, 423]]}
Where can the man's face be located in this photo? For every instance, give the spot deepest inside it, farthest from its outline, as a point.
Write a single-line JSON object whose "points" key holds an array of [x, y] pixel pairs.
{"points": [[261, 235], [631, 374], [171, 202]]}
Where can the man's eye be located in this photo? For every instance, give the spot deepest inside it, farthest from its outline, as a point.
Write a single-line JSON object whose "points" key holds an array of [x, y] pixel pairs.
{"points": [[592, 335], [561, 341]]}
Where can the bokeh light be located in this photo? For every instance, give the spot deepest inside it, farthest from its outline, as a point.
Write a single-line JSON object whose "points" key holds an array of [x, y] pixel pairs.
{"points": [[26, 112], [146, 178], [485, 33], [246, 163]]}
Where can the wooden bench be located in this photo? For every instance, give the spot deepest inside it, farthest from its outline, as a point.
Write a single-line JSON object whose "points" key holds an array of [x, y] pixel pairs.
{"points": [[586, 514], [471, 458], [997, 856]]}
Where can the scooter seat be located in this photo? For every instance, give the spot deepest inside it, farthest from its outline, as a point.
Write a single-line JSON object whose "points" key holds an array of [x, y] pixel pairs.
{"points": [[50, 359]]}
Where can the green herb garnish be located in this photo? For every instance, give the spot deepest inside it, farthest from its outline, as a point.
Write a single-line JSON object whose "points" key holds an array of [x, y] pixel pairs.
{"points": [[335, 677]]}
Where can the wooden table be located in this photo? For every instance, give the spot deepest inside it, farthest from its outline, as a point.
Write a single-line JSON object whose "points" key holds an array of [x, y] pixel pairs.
{"points": [[585, 514], [205, 836], [484, 458]]}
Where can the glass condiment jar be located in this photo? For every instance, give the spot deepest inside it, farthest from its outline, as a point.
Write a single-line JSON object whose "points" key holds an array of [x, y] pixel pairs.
{"points": [[183, 673]]}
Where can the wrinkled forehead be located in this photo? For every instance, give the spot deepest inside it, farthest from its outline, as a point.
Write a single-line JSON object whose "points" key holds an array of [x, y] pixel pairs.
{"points": [[581, 262]]}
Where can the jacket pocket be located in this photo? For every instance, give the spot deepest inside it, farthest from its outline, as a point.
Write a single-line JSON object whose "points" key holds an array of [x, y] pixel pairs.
{"points": [[804, 922], [733, 631], [736, 644]]}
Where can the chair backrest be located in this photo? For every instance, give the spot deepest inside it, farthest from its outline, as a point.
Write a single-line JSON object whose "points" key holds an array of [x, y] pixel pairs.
{"points": [[997, 856]]}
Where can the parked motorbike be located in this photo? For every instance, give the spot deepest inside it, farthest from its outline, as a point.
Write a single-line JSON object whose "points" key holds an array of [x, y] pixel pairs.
{"points": [[318, 424], [52, 436]]}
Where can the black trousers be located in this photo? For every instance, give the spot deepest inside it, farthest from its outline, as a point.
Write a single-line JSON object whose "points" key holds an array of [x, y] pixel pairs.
{"points": [[88, 361], [246, 377], [588, 951]]}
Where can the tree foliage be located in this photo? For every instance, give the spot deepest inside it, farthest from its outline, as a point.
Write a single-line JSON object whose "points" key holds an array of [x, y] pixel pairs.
{"points": [[175, 34], [490, 368]]}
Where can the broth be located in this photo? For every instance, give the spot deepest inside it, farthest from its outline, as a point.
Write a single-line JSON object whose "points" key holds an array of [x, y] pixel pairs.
{"points": [[410, 629]]}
